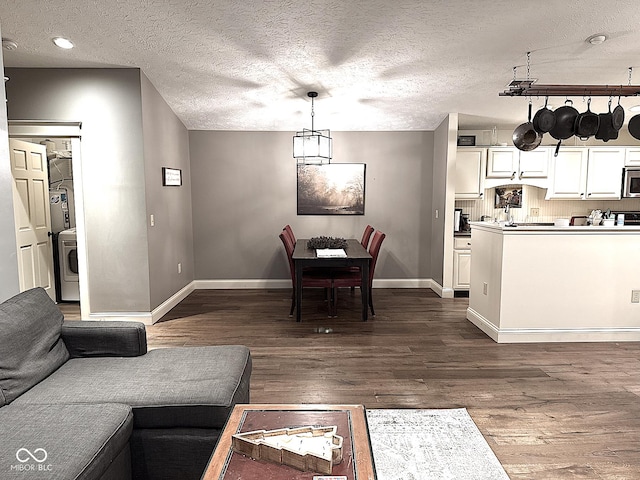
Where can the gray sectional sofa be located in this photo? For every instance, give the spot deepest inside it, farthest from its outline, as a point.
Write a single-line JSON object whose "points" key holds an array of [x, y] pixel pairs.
{"points": [[86, 400]]}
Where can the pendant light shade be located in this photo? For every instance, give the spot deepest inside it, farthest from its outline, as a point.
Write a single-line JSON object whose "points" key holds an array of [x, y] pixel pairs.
{"points": [[312, 146]]}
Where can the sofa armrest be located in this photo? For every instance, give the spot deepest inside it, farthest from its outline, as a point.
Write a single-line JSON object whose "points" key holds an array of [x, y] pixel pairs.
{"points": [[104, 339]]}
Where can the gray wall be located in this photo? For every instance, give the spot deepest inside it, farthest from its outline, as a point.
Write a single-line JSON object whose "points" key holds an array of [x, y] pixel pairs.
{"points": [[244, 192], [166, 144], [108, 103], [9, 282], [440, 163]]}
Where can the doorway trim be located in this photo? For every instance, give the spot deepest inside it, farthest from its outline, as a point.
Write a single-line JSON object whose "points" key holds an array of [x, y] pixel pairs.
{"points": [[65, 129]]}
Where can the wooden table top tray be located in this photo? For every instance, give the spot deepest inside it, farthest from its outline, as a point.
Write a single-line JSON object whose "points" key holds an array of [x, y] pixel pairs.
{"points": [[251, 421], [308, 448]]}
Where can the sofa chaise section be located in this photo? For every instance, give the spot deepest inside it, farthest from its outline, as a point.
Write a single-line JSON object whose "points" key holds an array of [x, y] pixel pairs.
{"points": [[65, 442], [180, 398]]}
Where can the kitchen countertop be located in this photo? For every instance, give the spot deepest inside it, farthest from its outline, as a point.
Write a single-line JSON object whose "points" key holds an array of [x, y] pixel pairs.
{"points": [[542, 283], [529, 228]]}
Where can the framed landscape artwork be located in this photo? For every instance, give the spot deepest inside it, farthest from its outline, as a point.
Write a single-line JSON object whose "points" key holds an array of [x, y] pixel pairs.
{"points": [[331, 189]]}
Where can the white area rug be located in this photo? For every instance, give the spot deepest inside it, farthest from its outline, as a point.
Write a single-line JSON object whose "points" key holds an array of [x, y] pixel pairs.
{"points": [[430, 444]]}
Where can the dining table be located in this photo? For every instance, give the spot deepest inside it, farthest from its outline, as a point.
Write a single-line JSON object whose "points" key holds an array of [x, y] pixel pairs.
{"points": [[356, 256]]}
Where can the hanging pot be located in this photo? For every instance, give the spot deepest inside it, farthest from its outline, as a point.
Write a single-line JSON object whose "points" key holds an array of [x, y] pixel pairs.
{"points": [[587, 123], [617, 116], [565, 123], [606, 131], [525, 137], [544, 119], [634, 127]]}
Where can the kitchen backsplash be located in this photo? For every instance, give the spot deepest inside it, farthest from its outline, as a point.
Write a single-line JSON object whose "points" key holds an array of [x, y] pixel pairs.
{"points": [[548, 210]]}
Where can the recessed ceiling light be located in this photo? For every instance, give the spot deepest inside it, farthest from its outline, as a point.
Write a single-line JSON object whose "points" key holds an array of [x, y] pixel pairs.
{"points": [[9, 44], [635, 108], [63, 42], [597, 39]]}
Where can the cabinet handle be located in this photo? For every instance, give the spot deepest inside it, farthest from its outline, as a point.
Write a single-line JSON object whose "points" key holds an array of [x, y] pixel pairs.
{"points": [[481, 193], [513, 175], [582, 194], [520, 175], [589, 194]]}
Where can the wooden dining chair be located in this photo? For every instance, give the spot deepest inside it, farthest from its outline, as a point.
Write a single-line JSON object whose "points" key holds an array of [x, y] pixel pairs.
{"points": [[320, 278], [354, 279], [289, 231], [366, 236]]}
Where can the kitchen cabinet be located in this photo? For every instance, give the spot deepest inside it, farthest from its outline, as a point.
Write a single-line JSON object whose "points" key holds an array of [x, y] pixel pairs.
{"points": [[461, 263], [505, 164], [632, 157], [469, 174], [586, 173]]}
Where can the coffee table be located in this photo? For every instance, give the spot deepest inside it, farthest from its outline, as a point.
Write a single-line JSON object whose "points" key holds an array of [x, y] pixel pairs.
{"points": [[357, 462]]}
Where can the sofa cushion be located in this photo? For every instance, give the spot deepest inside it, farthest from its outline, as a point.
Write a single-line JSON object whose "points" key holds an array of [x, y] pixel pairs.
{"points": [[30, 344], [64, 442], [168, 387]]}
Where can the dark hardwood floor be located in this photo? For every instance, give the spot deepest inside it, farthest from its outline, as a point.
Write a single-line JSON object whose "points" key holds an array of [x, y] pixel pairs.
{"points": [[548, 411]]}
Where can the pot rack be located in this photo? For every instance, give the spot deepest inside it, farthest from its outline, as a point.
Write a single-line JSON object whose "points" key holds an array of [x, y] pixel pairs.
{"points": [[528, 88]]}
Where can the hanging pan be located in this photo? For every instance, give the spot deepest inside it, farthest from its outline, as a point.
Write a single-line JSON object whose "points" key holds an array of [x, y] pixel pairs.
{"points": [[525, 137], [587, 123], [617, 116], [634, 127], [565, 123], [606, 131], [544, 119]]}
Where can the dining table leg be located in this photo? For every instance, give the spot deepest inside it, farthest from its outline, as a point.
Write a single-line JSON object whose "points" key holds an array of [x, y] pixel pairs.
{"points": [[364, 289], [298, 292]]}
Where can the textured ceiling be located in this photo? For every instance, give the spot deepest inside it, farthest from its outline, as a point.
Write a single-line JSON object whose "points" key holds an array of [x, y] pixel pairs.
{"points": [[377, 64]]}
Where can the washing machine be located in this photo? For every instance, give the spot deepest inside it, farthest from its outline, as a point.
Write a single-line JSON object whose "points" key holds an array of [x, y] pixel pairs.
{"points": [[68, 260]]}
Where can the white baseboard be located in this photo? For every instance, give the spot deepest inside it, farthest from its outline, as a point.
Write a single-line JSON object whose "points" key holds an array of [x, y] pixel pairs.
{"points": [[162, 309], [149, 318], [274, 284], [241, 284], [441, 291], [548, 335]]}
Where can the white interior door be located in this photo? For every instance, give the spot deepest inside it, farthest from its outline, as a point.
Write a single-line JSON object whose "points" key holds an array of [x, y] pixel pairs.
{"points": [[32, 216]]}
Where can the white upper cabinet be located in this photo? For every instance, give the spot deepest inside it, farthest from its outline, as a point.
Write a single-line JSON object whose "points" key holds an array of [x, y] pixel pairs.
{"points": [[535, 164], [502, 163], [586, 173], [469, 180], [510, 165], [604, 173]]}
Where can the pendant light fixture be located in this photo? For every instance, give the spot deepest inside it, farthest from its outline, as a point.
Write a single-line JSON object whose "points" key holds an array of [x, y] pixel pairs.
{"points": [[312, 146]]}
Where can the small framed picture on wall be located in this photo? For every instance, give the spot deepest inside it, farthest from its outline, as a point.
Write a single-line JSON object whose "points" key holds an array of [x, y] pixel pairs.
{"points": [[171, 177]]}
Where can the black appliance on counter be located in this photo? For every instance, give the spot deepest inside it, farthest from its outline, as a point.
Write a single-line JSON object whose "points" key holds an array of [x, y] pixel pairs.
{"points": [[631, 219]]}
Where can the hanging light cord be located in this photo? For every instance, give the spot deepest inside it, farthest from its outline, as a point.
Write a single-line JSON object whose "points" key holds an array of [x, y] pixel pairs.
{"points": [[312, 115]]}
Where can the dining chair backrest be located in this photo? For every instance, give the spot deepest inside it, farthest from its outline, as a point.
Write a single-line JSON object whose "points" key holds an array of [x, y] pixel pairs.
{"points": [[287, 228], [374, 250], [288, 248], [366, 236]]}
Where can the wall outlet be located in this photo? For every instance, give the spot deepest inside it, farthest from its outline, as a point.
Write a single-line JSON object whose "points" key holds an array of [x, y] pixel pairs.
{"points": [[485, 287], [179, 267], [635, 296], [534, 212]]}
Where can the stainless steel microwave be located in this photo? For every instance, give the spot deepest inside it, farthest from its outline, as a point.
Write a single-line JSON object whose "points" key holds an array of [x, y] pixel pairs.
{"points": [[631, 183]]}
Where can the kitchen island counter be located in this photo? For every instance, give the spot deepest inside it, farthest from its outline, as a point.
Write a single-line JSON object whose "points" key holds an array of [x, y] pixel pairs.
{"points": [[536, 283]]}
